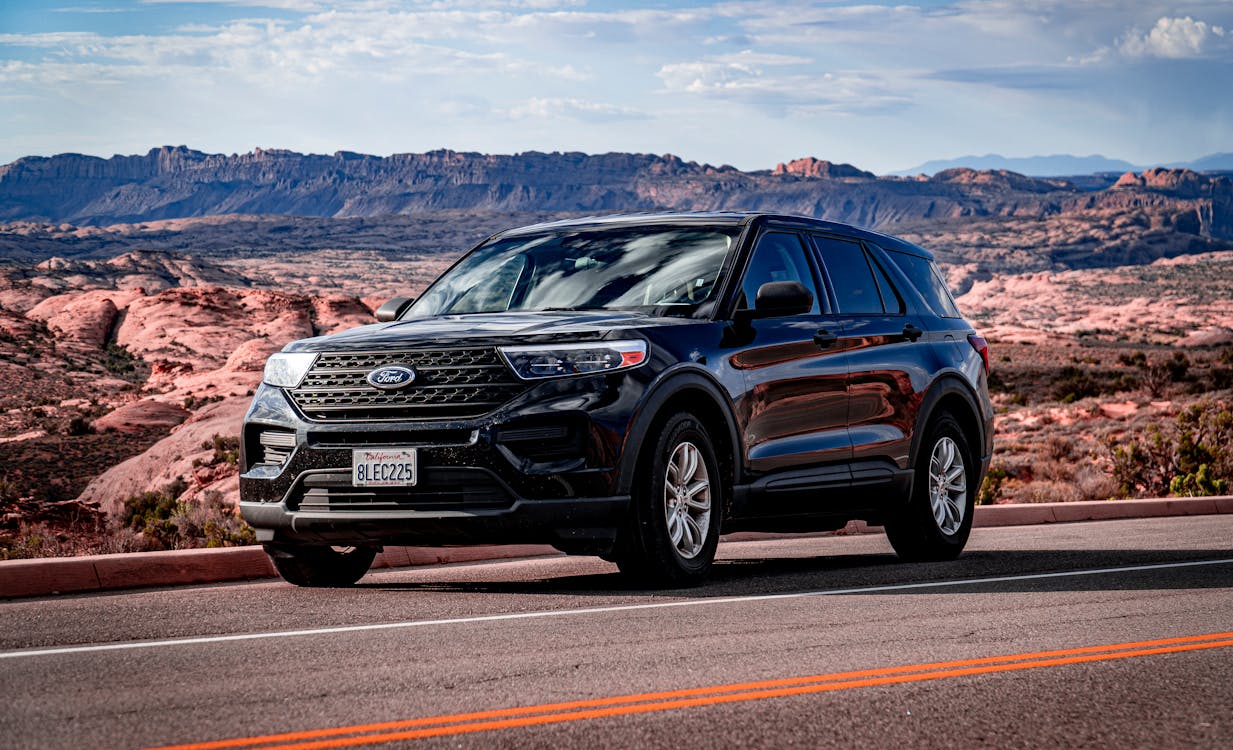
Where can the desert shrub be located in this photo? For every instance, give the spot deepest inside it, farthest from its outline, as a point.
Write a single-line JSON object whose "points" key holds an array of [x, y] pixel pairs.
{"points": [[226, 451], [1073, 383], [1200, 483], [1156, 380], [79, 426], [1205, 437], [1042, 491], [33, 540], [1060, 448], [1178, 367], [118, 360], [991, 488], [9, 491], [150, 513], [211, 523], [165, 522], [1091, 483], [1194, 455]]}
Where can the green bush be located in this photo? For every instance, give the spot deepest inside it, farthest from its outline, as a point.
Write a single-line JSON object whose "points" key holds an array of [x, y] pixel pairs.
{"points": [[1193, 456], [1072, 384], [226, 450], [167, 523], [117, 359], [991, 488], [150, 513], [1199, 484]]}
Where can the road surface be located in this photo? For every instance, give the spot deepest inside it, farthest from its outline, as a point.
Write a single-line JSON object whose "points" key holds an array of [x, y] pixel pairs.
{"points": [[1103, 634]]}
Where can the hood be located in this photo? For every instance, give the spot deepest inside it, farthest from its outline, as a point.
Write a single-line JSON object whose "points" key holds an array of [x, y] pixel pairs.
{"points": [[496, 328]]}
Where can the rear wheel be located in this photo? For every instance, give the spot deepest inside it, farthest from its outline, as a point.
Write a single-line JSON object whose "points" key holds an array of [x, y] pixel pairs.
{"points": [[673, 530], [328, 567], [936, 523]]}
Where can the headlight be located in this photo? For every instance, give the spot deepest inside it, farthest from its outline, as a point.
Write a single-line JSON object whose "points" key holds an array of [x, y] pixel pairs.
{"points": [[554, 361], [287, 369]]}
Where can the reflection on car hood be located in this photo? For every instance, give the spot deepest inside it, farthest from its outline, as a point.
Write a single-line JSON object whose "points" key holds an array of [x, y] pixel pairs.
{"points": [[505, 328]]}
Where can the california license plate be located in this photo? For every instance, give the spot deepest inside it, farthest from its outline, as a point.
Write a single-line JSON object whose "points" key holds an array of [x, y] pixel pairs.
{"points": [[383, 467]]}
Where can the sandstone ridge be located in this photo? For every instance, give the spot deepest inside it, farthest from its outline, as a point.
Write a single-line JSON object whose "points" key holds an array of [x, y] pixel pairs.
{"points": [[177, 182]]}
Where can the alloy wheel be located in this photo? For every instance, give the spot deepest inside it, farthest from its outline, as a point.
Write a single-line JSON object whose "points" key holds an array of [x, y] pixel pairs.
{"points": [[687, 500], [948, 486]]}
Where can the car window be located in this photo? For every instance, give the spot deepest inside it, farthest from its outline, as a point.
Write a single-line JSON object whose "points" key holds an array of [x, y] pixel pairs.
{"points": [[891, 300], [777, 257], [856, 291], [671, 268], [494, 291], [927, 279]]}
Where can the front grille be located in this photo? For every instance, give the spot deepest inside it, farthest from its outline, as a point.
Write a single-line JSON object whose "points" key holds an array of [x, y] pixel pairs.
{"points": [[450, 383], [439, 489]]}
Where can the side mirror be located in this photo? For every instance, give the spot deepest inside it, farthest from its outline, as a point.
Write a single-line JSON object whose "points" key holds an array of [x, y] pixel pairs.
{"points": [[781, 298], [392, 309]]}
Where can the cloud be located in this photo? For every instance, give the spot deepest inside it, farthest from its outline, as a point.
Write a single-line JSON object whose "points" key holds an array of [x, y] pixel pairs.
{"points": [[781, 85], [573, 109], [1172, 38]]}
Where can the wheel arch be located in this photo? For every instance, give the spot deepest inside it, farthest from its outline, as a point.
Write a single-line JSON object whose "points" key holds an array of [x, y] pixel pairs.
{"points": [[692, 391], [952, 395]]}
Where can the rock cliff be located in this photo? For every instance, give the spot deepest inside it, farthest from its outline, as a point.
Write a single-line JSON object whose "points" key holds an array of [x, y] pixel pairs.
{"points": [[177, 182]]}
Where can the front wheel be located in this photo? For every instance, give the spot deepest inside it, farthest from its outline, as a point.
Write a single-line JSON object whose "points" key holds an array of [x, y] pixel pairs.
{"points": [[673, 530], [936, 523], [328, 567]]}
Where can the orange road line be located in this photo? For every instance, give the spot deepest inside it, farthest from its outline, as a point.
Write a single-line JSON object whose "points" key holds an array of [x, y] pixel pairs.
{"points": [[553, 713]]}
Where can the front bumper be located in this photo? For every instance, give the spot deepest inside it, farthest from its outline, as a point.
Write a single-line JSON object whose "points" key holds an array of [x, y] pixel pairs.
{"points": [[575, 524], [541, 469]]}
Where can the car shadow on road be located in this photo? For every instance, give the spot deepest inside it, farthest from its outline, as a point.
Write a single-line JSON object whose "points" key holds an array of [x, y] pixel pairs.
{"points": [[995, 571]]}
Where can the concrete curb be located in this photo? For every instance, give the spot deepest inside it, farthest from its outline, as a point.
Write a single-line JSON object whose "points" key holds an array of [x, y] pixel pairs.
{"points": [[64, 575]]}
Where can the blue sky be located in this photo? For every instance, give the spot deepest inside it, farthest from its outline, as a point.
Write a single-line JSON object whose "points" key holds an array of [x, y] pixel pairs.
{"points": [[751, 83]]}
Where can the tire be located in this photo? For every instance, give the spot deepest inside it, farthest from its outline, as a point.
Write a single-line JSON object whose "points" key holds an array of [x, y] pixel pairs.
{"points": [[936, 522], [677, 502], [322, 567]]}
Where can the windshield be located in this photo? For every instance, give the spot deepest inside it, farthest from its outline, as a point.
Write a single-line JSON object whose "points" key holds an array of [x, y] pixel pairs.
{"points": [[674, 267]]}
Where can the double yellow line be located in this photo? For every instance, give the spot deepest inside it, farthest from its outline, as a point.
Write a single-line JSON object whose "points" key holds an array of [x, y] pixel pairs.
{"points": [[623, 705]]}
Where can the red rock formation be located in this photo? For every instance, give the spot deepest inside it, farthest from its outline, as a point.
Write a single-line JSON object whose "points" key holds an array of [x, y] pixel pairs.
{"points": [[84, 318], [172, 458], [141, 415], [811, 167]]}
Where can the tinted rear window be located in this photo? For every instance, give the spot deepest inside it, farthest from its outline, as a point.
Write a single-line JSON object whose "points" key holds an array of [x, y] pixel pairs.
{"points": [[927, 279], [856, 291]]}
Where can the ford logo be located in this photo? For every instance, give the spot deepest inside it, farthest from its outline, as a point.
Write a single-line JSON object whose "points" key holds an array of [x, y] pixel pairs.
{"points": [[391, 376]]}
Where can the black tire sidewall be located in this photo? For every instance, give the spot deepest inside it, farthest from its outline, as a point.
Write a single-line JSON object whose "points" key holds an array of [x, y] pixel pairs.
{"points": [[914, 532], [650, 555], [321, 566]]}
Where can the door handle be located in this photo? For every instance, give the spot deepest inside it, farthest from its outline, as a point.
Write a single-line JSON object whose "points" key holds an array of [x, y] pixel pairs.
{"points": [[911, 332], [824, 338]]}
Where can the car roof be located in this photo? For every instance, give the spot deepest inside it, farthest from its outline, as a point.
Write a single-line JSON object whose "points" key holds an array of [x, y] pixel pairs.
{"points": [[716, 218]]}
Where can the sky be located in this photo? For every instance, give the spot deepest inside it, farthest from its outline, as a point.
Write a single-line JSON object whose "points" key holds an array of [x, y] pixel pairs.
{"points": [[751, 83]]}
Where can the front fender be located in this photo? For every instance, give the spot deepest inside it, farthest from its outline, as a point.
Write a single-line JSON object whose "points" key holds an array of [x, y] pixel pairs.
{"points": [[692, 388]]}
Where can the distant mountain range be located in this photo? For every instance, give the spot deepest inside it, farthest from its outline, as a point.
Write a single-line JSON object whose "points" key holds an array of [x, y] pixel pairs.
{"points": [[1064, 165], [178, 182]]}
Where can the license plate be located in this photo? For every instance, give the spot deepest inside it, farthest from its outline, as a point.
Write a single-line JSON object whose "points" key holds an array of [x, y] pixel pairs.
{"points": [[383, 467]]}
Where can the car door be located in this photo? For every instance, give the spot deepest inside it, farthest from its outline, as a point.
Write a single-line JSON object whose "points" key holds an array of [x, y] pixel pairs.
{"points": [[882, 351], [794, 411]]}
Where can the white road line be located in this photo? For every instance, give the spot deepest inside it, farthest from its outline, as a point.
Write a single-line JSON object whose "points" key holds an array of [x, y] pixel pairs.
{"points": [[127, 645]]}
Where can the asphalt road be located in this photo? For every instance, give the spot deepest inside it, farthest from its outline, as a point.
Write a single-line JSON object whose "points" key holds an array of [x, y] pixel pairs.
{"points": [[1109, 634]]}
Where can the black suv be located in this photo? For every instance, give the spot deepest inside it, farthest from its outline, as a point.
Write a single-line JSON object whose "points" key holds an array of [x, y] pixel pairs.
{"points": [[628, 387]]}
